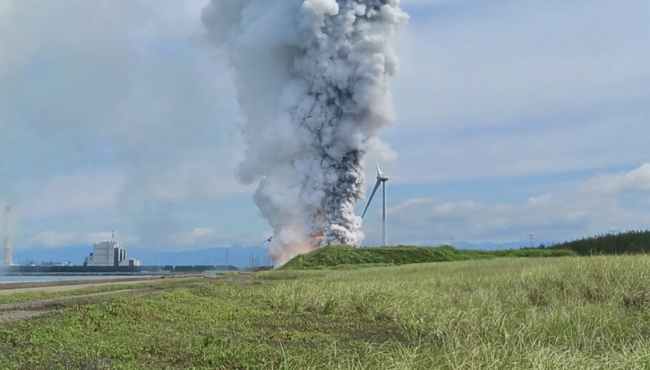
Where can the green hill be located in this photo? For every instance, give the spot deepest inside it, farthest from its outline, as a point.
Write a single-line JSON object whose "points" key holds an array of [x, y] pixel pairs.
{"points": [[631, 242], [401, 255]]}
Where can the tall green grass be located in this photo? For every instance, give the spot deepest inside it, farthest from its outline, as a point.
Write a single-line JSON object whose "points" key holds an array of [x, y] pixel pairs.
{"points": [[560, 313], [569, 313]]}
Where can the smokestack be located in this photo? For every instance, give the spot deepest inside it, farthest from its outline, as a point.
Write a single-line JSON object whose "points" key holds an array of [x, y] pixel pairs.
{"points": [[7, 245]]}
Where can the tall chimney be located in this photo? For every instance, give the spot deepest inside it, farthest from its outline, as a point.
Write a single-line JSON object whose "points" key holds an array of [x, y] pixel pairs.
{"points": [[7, 247]]}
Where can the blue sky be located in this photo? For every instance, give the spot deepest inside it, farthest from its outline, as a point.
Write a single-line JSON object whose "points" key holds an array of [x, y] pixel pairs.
{"points": [[514, 118]]}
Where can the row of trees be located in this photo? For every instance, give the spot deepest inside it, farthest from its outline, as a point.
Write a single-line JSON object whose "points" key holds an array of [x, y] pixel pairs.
{"points": [[630, 242]]}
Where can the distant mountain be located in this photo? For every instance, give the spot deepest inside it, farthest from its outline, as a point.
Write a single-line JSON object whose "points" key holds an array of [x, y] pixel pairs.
{"points": [[237, 255]]}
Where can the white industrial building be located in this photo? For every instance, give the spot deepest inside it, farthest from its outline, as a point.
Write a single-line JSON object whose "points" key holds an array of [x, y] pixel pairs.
{"points": [[109, 254]]}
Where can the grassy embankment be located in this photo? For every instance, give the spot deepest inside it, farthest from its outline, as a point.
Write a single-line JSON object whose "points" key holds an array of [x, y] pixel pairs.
{"points": [[345, 257], [560, 313]]}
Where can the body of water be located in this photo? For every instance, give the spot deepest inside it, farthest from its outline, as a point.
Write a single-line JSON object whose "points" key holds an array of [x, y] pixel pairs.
{"points": [[7, 279]]}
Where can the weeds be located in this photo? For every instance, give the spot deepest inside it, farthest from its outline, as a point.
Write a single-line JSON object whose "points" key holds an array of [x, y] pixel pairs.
{"points": [[565, 313]]}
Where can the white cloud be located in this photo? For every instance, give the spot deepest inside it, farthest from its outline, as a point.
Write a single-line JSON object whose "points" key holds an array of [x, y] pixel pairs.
{"points": [[510, 88], [198, 236], [208, 237], [581, 211], [131, 85], [636, 181], [55, 239], [198, 179], [112, 106], [84, 192]]}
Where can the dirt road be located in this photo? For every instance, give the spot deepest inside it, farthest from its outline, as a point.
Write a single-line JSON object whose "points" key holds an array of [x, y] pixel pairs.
{"points": [[64, 288]]}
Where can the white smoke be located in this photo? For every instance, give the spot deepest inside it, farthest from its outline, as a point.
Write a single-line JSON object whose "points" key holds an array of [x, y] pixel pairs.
{"points": [[312, 79]]}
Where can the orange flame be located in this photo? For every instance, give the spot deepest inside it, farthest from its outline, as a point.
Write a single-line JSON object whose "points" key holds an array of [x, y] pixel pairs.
{"points": [[284, 256]]}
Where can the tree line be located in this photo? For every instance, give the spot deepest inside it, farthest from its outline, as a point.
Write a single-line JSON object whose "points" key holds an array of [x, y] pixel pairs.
{"points": [[629, 242]]}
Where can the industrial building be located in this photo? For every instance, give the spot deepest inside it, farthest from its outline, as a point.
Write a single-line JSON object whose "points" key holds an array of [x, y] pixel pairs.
{"points": [[109, 254]]}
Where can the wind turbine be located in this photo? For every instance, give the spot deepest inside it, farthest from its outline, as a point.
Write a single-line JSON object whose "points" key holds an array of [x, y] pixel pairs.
{"points": [[381, 180]]}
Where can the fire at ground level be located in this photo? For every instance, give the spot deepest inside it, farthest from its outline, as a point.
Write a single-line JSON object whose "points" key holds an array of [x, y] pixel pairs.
{"points": [[284, 256]]}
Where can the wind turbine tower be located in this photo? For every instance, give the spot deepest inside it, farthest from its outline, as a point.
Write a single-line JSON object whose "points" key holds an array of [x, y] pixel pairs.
{"points": [[7, 245], [381, 180]]}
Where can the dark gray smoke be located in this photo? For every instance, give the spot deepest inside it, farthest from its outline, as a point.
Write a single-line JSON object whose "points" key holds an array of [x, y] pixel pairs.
{"points": [[312, 78]]}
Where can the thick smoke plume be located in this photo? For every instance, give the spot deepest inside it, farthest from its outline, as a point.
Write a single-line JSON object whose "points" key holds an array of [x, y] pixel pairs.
{"points": [[312, 80]]}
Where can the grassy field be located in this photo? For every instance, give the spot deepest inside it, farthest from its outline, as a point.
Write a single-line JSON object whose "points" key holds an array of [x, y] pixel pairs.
{"points": [[560, 313], [351, 257]]}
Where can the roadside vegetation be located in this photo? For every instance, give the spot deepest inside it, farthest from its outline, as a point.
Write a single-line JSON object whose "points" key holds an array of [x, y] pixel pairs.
{"points": [[560, 313], [630, 242], [349, 257]]}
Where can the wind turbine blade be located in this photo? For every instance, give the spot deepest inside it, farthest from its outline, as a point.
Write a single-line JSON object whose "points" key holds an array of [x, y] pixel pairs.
{"points": [[371, 196], [379, 170]]}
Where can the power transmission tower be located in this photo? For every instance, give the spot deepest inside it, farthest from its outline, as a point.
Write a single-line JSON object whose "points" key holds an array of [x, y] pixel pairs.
{"points": [[531, 236]]}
